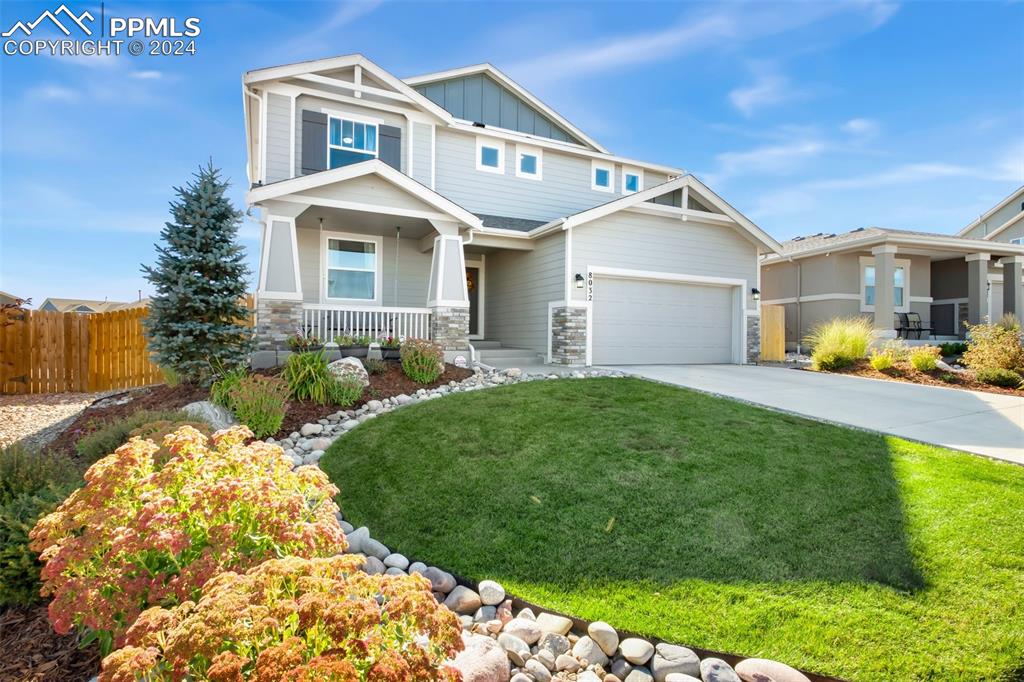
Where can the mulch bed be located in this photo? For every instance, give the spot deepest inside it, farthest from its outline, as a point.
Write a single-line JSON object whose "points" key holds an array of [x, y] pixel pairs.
{"points": [[31, 651], [160, 397], [391, 383], [906, 373]]}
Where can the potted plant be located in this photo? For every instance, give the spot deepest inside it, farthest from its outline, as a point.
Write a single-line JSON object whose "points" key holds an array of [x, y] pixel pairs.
{"points": [[352, 346], [390, 347], [304, 342]]}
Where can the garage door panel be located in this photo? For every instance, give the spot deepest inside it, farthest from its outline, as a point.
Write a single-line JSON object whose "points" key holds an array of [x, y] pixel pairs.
{"points": [[653, 322]]}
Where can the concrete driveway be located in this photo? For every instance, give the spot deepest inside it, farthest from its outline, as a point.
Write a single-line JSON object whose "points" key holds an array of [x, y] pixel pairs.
{"points": [[985, 423]]}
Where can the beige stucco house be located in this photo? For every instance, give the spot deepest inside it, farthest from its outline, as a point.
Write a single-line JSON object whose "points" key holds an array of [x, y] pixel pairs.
{"points": [[946, 280]]}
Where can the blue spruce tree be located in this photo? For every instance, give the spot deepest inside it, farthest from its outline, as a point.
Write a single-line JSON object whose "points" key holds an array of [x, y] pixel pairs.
{"points": [[196, 317]]}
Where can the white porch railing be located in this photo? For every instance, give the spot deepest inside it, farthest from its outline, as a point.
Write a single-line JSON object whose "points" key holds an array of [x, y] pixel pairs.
{"points": [[326, 321]]}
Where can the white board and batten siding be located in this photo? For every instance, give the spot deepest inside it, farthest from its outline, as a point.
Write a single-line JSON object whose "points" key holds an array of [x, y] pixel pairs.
{"points": [[565, 187], [664, 290], [518, 287]]}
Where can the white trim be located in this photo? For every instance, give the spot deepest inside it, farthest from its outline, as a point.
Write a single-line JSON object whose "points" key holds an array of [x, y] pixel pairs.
{"points": [[291, 140], [632, 170], [921, 299], [739, 331], [433, 156], [1009, 260], [480, 264], [596, 165], [411, 152], [265, 240], [536, 152], [435, 298], [971, 257], [378, 262], [480, 144], [948, 301], [1005, 226], [283, 188], [511, 85], [866, 261], [570, 276], [811, 299], [263, 138], [300, 198], [364, 308]]}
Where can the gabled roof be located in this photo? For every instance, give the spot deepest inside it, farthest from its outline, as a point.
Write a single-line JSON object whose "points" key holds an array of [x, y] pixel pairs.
{"points": [[635, 200], [504, 80], [866, 237], [1016, 195], [1018, 217], [358, 170], [316, 66], [66, 305]]}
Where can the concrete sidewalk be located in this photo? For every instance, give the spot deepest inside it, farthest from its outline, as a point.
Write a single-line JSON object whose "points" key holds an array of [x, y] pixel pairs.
{"points": [[984, 423]]}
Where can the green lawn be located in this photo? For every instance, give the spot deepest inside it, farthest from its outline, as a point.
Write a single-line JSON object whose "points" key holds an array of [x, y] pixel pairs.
{"points": [[709, 522]]}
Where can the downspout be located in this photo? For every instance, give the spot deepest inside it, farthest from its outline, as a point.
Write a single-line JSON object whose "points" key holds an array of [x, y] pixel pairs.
{"points": [[799, 304], [250, 93]]}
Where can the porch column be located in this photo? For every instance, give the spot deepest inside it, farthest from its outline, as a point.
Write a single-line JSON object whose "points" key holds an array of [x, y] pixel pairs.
{"points": [[279, 290], [977, 287], [885, 271], [1013, 287], [448, 297]]}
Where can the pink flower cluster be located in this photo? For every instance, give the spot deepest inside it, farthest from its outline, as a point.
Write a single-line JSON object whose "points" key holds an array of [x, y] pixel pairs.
{"points": [[149, 530]]}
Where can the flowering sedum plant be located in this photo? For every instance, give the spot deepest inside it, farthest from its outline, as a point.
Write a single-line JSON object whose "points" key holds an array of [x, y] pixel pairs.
{"points": [[152, 525], [295, 619]]}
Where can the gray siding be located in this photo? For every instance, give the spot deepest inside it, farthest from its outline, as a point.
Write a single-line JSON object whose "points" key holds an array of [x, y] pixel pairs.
{"points": [[279, 116], [422, 153], [481, 99], [637, 241], [997, 219], [413, 269], [564, 189], [519, 285]]}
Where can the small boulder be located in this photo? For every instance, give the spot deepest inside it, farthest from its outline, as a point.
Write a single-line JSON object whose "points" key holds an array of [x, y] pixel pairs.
{"points": [[549, 622], [765, 670], [671, 658], [566, 663], [538, 670], [373, 566], [482, 660], [681, 677], [396, 560], [639, 674], [637, 651], [555, 643], [463, 600], [491, 593], [517, 650], [440, 581], [349, 368], [308, 430], [217, 416], [715, 670], [605, 636], [523, 628], [356, 539], [588, 649], [375, 548]]}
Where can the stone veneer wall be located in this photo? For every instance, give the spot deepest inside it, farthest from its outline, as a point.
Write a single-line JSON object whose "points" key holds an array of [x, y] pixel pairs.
{"points": [[753, 338], [569, 336], [450, 327], [275, 322]]}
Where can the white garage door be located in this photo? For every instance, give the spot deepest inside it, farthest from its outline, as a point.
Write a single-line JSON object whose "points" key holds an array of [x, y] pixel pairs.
{"points": [[651, 322]]}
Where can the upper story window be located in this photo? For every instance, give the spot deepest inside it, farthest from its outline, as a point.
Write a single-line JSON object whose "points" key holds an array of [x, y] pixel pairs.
{"points": [[602, 176], [350, 141], [632, 180], [529, 162], [490, 155], [1018, 240]]}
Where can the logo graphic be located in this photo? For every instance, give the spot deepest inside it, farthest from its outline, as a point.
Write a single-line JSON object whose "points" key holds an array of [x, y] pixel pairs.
{"points": [[52, 16]]}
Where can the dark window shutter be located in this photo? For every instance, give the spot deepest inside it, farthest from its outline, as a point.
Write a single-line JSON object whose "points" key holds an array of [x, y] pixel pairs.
{"points": [[314, 142], [390, 144]]}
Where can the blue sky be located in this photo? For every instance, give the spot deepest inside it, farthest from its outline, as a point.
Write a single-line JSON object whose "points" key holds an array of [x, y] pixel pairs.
{"points": [[806, 117]]}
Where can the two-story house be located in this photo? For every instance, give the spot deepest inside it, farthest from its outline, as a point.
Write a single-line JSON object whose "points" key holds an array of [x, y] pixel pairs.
{"points": [[459, 207]]}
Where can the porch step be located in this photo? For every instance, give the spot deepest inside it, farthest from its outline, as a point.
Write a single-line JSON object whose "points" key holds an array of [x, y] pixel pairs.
{"points": [[486, 344], [506, 355]]}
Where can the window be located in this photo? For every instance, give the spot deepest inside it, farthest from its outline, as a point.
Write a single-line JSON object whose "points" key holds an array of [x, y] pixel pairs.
{"points": [[899, 285], [351, 267], [350, 141], [632, 180], [601, 175], [529, 162], [1018, 240], [490, 156]]}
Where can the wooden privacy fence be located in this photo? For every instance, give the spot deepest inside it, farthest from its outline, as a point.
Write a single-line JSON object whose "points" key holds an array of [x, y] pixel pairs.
{"points": [[773, 333], [53, 352]]}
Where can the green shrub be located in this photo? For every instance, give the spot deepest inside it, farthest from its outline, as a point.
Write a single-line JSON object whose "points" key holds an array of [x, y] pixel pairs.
{"points": [[308, 377], [953, 348], [344, 392], [113, 435], [171, 376], [998, 376], [25, 471], [924, 358], [994, 346], [259, 402], [226, 382], [839, 342], [950, 377], [375, 366], [422, 360], [881, 360]]}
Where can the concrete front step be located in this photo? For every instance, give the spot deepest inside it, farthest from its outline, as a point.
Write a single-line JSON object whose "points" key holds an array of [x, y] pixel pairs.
{"points": [[485, 344], [506, 353]]}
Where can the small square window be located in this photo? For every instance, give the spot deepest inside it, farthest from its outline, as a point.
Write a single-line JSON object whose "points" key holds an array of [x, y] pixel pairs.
{"points": [[632, 182], [528, 164], [601, 177], [489, 157]]}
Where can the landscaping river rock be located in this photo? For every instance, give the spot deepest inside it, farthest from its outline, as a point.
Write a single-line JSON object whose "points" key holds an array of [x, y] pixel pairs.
{"points": [[507, 645]]}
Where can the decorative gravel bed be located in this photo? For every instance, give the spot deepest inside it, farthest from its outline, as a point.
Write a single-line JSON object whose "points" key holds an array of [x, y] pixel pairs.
{"points": [[36, 420], [505, 640]]}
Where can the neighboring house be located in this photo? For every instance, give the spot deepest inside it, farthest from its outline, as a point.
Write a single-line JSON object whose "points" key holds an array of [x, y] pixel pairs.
{"points": [[8, 299], [458, 206], [78, 305], [947, 280], [1004, 222]]}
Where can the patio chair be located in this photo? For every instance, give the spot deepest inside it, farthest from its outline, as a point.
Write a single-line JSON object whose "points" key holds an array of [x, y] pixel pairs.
{"points": [[916, 327], [902, 325]]}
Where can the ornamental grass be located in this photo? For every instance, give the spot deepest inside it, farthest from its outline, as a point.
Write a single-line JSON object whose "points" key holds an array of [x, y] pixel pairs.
{"points": [[295, 619], [152, 525]]}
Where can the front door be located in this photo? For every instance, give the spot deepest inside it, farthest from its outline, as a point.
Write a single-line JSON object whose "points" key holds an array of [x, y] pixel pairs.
{"points": [[473, 287]]}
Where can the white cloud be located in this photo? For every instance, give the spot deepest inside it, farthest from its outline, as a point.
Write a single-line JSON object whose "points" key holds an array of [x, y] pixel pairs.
{"points": [[147, 75], [861, 127], [768, 158], [769, 88], [898, 175], [54, 92]]}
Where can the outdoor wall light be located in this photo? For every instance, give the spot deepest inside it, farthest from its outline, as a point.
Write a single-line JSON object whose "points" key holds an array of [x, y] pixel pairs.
{"points": [[756, 293], [579, 281]]}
